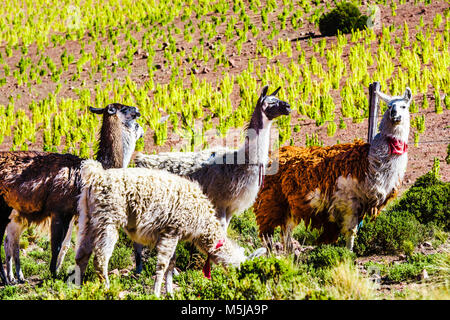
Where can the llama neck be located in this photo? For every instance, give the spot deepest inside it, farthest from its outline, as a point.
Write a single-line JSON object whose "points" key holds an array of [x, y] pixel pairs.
{"points": [[257, 139], [111, 147], [386, 169]]}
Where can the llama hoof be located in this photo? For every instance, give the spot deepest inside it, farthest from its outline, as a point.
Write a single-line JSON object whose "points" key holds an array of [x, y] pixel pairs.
{"points": [[257, 253], [138, 270]]}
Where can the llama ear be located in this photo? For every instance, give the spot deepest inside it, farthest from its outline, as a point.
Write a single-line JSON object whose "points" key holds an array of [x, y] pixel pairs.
{"points": [[262, 96], [275, 92], [96, 110], [264, 92], [111, 109], [407, 95], [384, 97]]}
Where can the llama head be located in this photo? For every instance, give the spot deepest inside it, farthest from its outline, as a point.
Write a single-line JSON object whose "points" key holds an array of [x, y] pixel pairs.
{"points": [[118, 135], [126, 114], [271, 106], [396, 119], [267, 108], [228, 253]]}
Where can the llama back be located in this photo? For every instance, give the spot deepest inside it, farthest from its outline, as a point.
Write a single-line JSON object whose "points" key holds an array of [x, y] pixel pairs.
{"points": [[181, 163], [138, 196]]}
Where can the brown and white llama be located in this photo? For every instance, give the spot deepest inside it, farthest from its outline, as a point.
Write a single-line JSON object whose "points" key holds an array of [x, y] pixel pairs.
{"points": [[335, 187], [43, 186]]}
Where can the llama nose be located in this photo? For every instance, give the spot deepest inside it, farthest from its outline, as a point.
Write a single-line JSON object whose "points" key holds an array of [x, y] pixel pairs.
{"points": [[287, 106]]}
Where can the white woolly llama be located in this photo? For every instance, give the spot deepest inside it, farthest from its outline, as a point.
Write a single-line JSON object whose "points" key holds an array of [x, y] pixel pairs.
{"points": [[153, 207]]}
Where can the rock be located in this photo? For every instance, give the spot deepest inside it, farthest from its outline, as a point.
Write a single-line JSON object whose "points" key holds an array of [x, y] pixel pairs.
{"points": [[427, 244], [424, 275], [114, 272], [123, 294], [124, 272], [232, 63], [194, 71], [278, 246], [145, 55], [158, 66], [206, 70]]}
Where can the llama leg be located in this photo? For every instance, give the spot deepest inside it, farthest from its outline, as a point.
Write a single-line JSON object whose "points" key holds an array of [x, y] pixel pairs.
{"points": [[138, 256], [350, 238], [82, 256], [286, 236], [59, 228], [221, 214], [166, 248], [65, 245], [12, 250], [5, 211], [349, 230], [104, 243], [228, 216], [169, 275]]}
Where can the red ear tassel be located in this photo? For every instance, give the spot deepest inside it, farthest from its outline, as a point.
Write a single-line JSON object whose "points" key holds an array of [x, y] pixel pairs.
{"points": [[220, 243], [207, 266]]}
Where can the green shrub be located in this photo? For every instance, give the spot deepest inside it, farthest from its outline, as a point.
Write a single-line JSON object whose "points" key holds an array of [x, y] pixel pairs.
{"points": [[326, 256], [123, 251], [243, 227], [415, 264], [305, 234], [344, 18], [261, 278], [389, 234], [428, 200]]}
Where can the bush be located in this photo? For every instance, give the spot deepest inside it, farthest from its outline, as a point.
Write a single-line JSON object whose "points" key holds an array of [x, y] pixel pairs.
{"points": [[244, 228], [325, 256], [306, 234], [344, 18], [428, 200], [415, 264], [260, 278], [123, 251], [390, 233]]}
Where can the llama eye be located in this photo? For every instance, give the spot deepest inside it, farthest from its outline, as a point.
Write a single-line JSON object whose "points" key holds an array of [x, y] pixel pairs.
{"points": [[403, 107]]}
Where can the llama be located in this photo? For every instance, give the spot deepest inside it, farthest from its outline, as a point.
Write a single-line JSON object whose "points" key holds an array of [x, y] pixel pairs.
{"points": [[154, 208], [230, 178], [44, 186], [335, 187]]}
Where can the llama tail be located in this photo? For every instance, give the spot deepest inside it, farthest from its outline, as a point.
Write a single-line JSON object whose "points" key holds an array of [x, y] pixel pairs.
{"points": [[89, 170], [180, 163]]}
